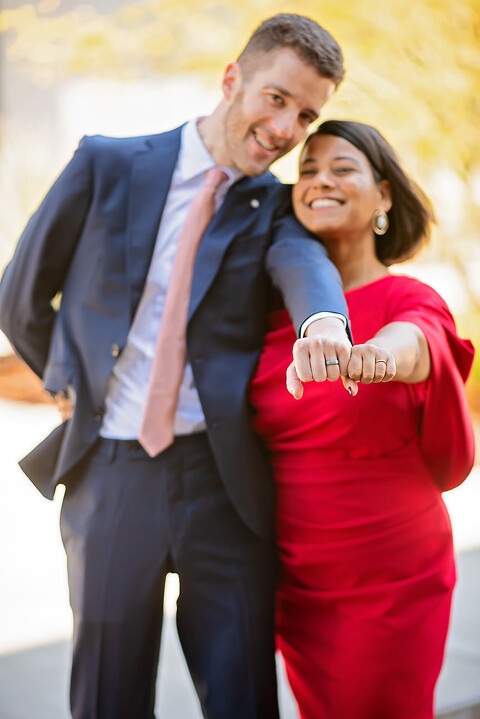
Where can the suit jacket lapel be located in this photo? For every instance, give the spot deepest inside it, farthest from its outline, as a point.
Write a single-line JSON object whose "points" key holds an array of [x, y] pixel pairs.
{"points": [[150, 181], [233, 218]]}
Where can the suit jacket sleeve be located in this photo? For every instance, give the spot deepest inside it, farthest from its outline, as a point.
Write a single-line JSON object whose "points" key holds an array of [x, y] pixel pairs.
{"points": [[41, 260], [299, 267]]}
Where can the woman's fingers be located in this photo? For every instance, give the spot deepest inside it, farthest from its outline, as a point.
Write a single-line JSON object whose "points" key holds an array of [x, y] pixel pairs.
{"points": [[369, 363], [350, 385]]}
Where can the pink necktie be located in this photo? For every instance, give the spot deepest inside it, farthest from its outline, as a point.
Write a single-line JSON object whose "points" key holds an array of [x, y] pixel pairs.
{"points": [[156, 431]]}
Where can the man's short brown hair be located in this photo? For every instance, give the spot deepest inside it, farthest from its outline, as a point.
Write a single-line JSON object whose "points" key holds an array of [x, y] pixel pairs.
{"points": [[311, 42]]}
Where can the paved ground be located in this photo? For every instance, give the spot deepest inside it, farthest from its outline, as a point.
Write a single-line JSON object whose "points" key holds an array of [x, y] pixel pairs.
{"points": [[35, 618]]}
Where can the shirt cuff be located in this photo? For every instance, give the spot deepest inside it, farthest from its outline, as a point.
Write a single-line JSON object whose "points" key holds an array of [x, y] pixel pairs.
{"points": [[320, 316]]}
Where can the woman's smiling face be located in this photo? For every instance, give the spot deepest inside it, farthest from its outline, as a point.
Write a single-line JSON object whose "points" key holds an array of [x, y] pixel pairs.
{"points": [[336, 193]]}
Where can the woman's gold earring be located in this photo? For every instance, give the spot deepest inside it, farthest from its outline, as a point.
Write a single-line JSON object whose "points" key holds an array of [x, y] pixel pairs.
{"points": [[380, 222]]}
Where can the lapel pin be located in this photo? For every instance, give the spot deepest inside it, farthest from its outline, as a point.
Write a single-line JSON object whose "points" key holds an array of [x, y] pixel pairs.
{"points": [[254, 204]]}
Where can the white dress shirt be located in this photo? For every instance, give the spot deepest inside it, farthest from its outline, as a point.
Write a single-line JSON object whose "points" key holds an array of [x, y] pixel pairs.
{"points": [[127, 389]]}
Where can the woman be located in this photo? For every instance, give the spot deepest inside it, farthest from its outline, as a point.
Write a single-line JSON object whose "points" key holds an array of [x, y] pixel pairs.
{"points": [[365, 543]]}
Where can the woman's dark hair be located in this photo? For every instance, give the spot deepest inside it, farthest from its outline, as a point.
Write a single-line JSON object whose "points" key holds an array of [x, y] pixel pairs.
{"points": [[411, 214]]}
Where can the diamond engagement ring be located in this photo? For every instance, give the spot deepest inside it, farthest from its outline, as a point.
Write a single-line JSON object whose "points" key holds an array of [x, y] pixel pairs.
{"points": [[331, 362]]}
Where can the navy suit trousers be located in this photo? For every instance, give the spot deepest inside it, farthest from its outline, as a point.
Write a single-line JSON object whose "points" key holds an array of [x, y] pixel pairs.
{"points": [[126, 521]]}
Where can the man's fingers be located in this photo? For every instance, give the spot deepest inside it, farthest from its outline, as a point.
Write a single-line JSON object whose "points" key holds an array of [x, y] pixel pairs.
{"points": [[301, 360], [64, 406], [331, 362], [294, 385], [343, 355], [319, 358], [333, 368], [319, 351]]}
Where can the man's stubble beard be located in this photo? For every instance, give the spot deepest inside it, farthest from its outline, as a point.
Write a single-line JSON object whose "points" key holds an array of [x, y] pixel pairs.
{"points": [[235, 145]]}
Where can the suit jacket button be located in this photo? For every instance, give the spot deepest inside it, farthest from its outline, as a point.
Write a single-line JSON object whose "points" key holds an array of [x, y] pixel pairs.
{"points": [[98, 416], [254, 203], [115, 350]]}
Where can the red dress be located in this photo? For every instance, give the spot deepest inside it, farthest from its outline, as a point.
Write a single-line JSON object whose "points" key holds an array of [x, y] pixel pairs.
{"points": [[364, 538]]}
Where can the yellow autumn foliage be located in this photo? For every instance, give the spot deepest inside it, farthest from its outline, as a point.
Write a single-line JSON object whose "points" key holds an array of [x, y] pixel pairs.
{"points": [[411, 68]]}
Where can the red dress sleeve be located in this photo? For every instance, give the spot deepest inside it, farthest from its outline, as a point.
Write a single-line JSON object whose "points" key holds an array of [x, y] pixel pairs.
{"points": [[446, 432]]}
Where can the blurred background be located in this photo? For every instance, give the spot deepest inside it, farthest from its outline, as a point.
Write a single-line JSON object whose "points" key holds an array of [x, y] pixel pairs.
{"points": [[117, 67]]}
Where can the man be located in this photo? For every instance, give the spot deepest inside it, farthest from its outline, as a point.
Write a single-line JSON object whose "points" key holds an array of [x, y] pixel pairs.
{"points": [[199, 504]]}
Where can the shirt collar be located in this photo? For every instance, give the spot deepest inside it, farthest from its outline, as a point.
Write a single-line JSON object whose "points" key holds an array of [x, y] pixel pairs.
{"points": [[194, 158]]}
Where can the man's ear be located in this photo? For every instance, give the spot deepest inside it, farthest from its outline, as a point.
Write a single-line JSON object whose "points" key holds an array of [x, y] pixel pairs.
{"points": [[232, 80], [385, 195]]}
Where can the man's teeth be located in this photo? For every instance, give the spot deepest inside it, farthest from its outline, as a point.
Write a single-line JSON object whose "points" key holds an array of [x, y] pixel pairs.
{"points": [[327, 202], [264, 143]]}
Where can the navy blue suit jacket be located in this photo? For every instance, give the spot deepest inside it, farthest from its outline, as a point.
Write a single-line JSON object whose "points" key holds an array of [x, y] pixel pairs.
{"points": [[92, 240]]}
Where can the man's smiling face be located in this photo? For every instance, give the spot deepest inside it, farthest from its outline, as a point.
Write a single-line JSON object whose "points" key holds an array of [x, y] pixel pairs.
{"points": [[270, 109]]}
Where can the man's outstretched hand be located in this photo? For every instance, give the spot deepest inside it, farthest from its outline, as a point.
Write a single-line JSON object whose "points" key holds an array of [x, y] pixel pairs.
{"points": [[323, 354]]}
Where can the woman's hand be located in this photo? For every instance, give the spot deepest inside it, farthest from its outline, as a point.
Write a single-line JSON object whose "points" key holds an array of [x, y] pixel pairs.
{"points": [[370, 363]]}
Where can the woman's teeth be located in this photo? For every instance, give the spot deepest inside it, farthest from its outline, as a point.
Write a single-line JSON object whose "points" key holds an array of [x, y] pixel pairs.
{"points": [[327, 202]]}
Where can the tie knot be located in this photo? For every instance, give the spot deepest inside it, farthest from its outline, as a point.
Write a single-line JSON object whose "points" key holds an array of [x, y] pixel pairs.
{"points": [[214, 178]]}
